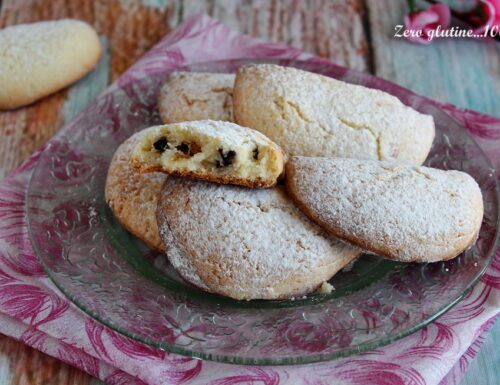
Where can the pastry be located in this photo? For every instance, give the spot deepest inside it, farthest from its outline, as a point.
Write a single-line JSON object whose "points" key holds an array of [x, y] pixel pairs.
{"points": [[402, 212], [216, 151], [186, 96], [247, 244], [41, 58], [132, 196], [313, 115], [181, 262]]}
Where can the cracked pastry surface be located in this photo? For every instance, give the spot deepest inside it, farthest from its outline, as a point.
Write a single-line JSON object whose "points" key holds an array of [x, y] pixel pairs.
{"points": [[187, 96], [132, 196], [313, 115], [247, 244], [215, 151], [403, 212]]}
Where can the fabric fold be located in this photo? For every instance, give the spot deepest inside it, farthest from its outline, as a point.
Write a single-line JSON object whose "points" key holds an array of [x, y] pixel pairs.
{"points": [[33, 310]]}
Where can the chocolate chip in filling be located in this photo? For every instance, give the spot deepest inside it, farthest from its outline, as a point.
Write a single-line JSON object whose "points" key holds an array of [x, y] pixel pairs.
{"points": [[227, 158], [189, 148], [161, 144], [255, 153], [183, 147]]}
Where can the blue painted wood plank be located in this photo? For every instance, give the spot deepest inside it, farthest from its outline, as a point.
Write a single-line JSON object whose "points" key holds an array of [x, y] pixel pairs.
{"points": [[485, 369], [87, 88], [5, 372], [160, 4], [465, 72]]}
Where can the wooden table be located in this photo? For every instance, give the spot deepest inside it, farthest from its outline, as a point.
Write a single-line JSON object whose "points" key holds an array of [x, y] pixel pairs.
{"points": [[354, 33]]}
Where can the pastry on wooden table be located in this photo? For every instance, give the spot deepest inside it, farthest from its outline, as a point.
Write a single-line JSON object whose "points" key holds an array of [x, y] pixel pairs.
{"points": [[41, 58], [215, 151], [402, 212], [313, 115]]}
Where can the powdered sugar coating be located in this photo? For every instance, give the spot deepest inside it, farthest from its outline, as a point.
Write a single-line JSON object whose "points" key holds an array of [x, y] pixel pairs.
{"points": [[180, 261], [249, 244], [41, 58], [186, 96], [403, 212], [133, 198], [314, 115]]}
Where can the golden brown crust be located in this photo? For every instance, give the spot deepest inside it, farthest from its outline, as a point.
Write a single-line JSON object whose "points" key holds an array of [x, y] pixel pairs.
{"points": [[149, 240], [313, 115], [303, 201], [211, 137], [41, 39], [132, 196], [221, 179], [296, 285], [187, 96], [362, 244]]}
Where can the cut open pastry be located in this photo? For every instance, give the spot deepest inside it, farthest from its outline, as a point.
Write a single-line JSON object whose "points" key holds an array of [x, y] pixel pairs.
{"points": [[132, 196], [215, 151]]}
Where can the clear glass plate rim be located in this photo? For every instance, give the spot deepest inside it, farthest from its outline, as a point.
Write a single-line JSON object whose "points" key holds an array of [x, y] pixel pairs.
{"points": [[363, 347]]}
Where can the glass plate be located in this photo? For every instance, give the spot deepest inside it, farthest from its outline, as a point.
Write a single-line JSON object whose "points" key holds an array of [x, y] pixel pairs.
{"points": [[114, 278]]}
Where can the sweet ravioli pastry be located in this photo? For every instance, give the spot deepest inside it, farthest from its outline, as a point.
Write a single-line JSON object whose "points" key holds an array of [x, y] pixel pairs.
{"points": [[228, 239], [181, 262], [314, 115], [41, 58], [244, 243], [132, 196], [216, 151], [402, 212], [187, 96]]}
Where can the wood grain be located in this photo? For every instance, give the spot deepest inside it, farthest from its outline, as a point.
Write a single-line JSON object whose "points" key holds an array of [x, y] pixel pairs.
{"points": [[26, 366], [465, 72], [331, 29], [128, 28]]}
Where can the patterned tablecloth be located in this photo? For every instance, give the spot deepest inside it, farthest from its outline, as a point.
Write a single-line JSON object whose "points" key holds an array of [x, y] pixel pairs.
{"points": [[33, 311]]}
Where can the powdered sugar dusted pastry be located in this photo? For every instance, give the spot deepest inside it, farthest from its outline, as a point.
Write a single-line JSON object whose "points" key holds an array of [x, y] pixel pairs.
{"points": [[314, 115], [181, 262], [247, 244], [186, 96], [406, 213], [133, 196], [41, 58], [216, 151]]}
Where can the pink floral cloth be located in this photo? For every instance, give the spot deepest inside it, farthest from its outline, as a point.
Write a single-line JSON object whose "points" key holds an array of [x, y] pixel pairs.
{"points": [[33, 311]]}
